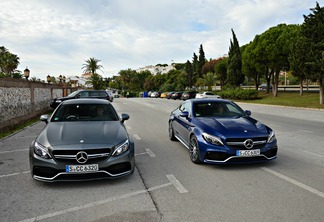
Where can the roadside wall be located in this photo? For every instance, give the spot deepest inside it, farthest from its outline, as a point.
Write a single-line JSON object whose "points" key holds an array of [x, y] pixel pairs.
{"points": [[21, 100]]}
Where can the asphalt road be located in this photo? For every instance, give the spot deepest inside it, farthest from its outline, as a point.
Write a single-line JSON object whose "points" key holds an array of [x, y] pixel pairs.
{"points": [[166, 186]]}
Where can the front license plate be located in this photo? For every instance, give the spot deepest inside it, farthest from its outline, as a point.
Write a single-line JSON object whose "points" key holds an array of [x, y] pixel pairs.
{"points": [[81, 168], [247, 152]]}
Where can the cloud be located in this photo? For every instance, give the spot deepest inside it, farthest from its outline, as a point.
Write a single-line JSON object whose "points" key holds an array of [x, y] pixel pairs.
{"points": [[56, 37]]}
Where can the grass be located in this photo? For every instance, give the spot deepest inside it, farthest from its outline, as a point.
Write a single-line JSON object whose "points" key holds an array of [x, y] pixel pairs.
{"points": [[18, 127], [307, 100]]}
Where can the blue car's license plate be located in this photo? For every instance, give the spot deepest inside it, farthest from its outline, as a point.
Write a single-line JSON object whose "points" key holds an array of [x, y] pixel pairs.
{"points": [[248, 152]]}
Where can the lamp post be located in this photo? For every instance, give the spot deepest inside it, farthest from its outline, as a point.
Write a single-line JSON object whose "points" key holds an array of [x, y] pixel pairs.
{"points": [[60, 78], [26, 73], [49, 78]]}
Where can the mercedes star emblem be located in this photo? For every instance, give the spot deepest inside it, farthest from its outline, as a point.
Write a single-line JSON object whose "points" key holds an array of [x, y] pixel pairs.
{"points": [[248, 143], [82, 157]]}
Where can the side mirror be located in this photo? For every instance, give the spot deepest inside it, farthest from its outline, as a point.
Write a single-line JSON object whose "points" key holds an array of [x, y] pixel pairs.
{"points": [[124, 117], [248, 112], [184, 114], [44, 118]]}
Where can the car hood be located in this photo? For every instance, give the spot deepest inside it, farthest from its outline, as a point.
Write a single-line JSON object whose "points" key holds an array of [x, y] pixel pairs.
{"points": [[82, 134], [234, 127]]}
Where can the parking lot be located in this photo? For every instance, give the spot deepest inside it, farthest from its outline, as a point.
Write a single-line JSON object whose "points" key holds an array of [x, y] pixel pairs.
{"points": [[167, 186]]}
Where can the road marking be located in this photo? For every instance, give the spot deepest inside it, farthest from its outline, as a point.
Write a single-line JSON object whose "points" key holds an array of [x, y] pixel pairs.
{"points": [[174, 182], [13, 174], [315, 154], [150, 153], [136, 137], [11, 151], [295, 182]]}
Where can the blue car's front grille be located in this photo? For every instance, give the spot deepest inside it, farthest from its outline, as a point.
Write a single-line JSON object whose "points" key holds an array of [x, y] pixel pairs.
{"points": [[238, 143]]}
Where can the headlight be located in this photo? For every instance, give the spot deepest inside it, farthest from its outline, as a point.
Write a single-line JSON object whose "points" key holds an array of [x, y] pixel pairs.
{"points": [[271, 137], [58, 101], [213, 139], [121, 148], [41, 151]]}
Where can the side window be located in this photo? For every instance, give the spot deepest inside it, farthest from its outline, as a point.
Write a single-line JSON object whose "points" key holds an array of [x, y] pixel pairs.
{"points": [[185, 107], [84, 94]]}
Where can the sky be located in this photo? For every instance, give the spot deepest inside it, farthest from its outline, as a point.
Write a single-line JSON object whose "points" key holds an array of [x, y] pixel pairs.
{"points": [[56, 37]]}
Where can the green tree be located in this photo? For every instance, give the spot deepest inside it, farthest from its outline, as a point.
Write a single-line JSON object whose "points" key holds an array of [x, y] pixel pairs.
{"points": [[207, 80], [313, 31], [201, 60], [189, 74], [91, 66], [221, 71], [234, 71], [297, 59], [8, 63]]}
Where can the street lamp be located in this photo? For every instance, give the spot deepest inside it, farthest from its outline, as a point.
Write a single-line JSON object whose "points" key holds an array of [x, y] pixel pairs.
{"points": [[26, 73], [64, 79], [60, 78], [49, 78]]}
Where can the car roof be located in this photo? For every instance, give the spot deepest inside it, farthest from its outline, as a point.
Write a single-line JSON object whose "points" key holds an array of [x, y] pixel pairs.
{"points": [[86, 101], [204, 100]]}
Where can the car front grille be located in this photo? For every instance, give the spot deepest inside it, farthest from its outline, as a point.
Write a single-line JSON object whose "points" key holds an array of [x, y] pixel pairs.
{"points": [[70, 156], [238, 143]]}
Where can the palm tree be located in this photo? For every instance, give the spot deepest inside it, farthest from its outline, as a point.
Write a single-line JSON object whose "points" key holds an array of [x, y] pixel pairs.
{"points": [[8, 61], [91, 65]]}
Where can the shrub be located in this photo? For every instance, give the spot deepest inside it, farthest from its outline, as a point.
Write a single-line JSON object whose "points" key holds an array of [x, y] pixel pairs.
{"points": [[239, 94]]}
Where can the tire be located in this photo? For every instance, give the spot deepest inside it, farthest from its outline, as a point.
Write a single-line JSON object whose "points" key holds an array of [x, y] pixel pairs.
{"points": [[171, 132], [194, 150]]}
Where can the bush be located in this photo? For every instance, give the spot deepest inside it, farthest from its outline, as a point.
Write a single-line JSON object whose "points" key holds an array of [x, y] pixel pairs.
{"points": [[239, 94]]}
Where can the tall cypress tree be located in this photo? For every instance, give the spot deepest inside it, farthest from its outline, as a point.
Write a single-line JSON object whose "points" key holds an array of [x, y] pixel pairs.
{"points": [[201, 60], [195, 73], [234, 72], [189, 73]]}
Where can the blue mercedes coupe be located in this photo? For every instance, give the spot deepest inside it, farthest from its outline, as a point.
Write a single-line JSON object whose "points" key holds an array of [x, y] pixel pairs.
{"points": [[218, 131]]}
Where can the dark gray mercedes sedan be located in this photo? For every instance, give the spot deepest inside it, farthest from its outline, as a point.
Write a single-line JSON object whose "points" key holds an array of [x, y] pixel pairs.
{"points": [[83, 139]]}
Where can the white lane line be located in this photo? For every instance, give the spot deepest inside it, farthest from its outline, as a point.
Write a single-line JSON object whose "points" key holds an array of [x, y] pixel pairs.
{"points": [[140, 154], [150, 153], [13, 174], [11, 151], [295, 182], [136, 137], [315, 154], [176, 183]]}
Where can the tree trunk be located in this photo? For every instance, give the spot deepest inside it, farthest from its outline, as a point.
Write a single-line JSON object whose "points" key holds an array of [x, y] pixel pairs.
{"points": [[301, 91], [275, 84]]}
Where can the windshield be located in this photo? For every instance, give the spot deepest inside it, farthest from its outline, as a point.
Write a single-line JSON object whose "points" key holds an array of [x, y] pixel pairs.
{"points": [[85, 112], [217, 109], [73, 94]]}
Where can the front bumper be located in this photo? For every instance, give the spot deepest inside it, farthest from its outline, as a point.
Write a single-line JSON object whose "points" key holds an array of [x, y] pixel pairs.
{"points": [[51, 170]]}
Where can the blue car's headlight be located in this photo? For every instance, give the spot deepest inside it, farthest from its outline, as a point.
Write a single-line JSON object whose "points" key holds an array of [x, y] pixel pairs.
{"points": [[41, 151], [121, 148], [271, 137], [213, 139]]}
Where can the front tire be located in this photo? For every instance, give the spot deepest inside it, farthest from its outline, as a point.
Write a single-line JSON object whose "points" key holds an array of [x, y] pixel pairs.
{"points": [[171, 132], [194, 150]]}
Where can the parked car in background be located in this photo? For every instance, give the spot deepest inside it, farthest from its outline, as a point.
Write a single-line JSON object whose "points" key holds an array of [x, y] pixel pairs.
{"points": [[176, 95], [188, 95], [155, 94], [84, 139], [218, 131], [93, 94], [111, 96], [163, 95], [206, 95], [169, 94], [264, 87]]}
